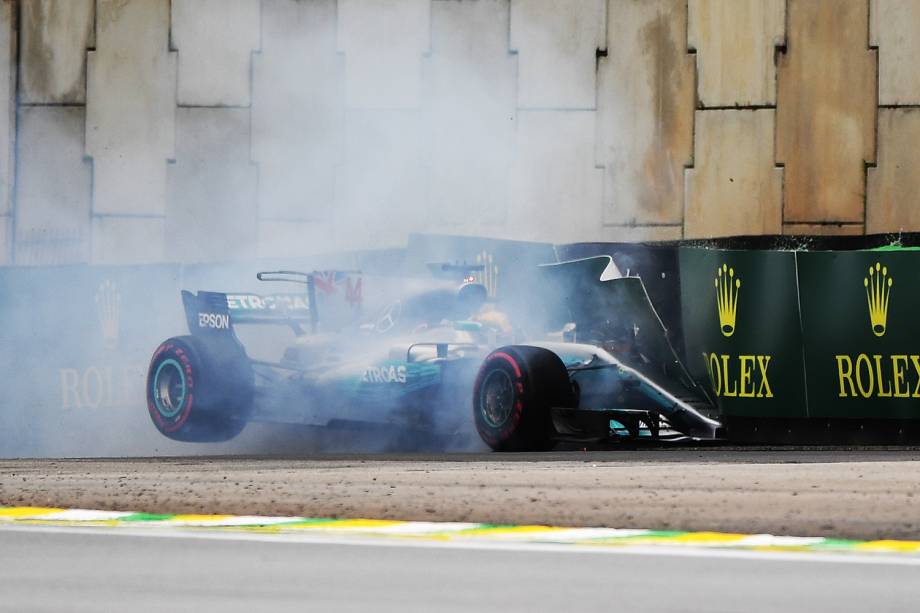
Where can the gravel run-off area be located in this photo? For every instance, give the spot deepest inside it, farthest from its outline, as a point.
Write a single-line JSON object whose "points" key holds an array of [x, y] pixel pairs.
{"points": [[851, 493]]}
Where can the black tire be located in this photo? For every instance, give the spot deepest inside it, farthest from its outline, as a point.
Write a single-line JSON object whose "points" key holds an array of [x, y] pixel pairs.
{"points": [[199, 389], [514, 391]]}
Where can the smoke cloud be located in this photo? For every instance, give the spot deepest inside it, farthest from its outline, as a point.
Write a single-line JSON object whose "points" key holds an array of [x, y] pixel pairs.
{"points": [[362, 125]]}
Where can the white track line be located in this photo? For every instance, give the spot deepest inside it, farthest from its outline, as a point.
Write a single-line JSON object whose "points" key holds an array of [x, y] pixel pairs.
{"points": [[868, 559]]}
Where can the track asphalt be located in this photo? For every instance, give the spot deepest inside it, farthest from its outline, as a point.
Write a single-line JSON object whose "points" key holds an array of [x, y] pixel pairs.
{"points": [[350, 569], [674, 530]]}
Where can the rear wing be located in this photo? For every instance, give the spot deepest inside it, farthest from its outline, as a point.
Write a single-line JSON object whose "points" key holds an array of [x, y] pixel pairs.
{"points": [[211, 313]]}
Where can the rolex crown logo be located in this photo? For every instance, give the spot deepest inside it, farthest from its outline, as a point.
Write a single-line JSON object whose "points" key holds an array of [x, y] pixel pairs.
{"points": [[878, 291], [727, 289], [489, 274]]}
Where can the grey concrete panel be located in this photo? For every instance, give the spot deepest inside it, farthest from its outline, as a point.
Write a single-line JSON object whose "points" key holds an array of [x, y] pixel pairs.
{"points": [[54, 187], [211, 214], [5, 242], [383, 184], [131, 101], [470, 115], [215, 39], [7, 103], [558, 41], [383, 43], [55, 35], [128, 240], [286, 239], [297, 114], [556, 186]]}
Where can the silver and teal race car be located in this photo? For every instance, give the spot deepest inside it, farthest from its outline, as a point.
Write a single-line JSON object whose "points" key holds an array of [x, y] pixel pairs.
{"points": [[273, 358], [417, 363]]}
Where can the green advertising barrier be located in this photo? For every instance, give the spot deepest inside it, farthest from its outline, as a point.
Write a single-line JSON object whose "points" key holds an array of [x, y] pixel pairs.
{"points": [[859, 316], [742, 330], [804, 334]]}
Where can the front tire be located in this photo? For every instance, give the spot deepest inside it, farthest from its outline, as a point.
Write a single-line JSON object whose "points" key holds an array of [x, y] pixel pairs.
{"points": [[514, 391], [199, 390]]}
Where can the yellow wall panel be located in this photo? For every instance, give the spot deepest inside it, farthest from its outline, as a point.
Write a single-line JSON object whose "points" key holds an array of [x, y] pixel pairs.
{"points": [[895, 182], [896, 33], [734, 187], [645, 111], [735, 41], [826, 104]]}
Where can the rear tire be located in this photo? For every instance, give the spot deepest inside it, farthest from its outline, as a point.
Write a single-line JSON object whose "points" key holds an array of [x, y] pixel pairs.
{"points": [[199, 389], [514, 391]]}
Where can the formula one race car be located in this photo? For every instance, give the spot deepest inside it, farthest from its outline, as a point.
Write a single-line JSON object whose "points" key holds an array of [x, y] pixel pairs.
{"points": [[418, 361], [411, 365]]}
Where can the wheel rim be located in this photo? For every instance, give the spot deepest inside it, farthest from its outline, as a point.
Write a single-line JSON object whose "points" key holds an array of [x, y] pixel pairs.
{"points": [[169, 388], [496, 398]]}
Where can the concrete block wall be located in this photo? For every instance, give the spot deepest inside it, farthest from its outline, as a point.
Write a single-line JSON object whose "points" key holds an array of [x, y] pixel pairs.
{"points": [[556, 187], [297, 129], [202, 130], [645, 114], [211, 187], [53, 203], [734, 185], [8, 44], [557, 43], [54, 186], [894, 182], [130, 128], [470, 81], [214, 40], [826, 106]]}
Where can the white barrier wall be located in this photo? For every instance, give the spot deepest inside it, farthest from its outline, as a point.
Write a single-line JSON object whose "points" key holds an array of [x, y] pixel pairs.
{"points": [[200, 130]]}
